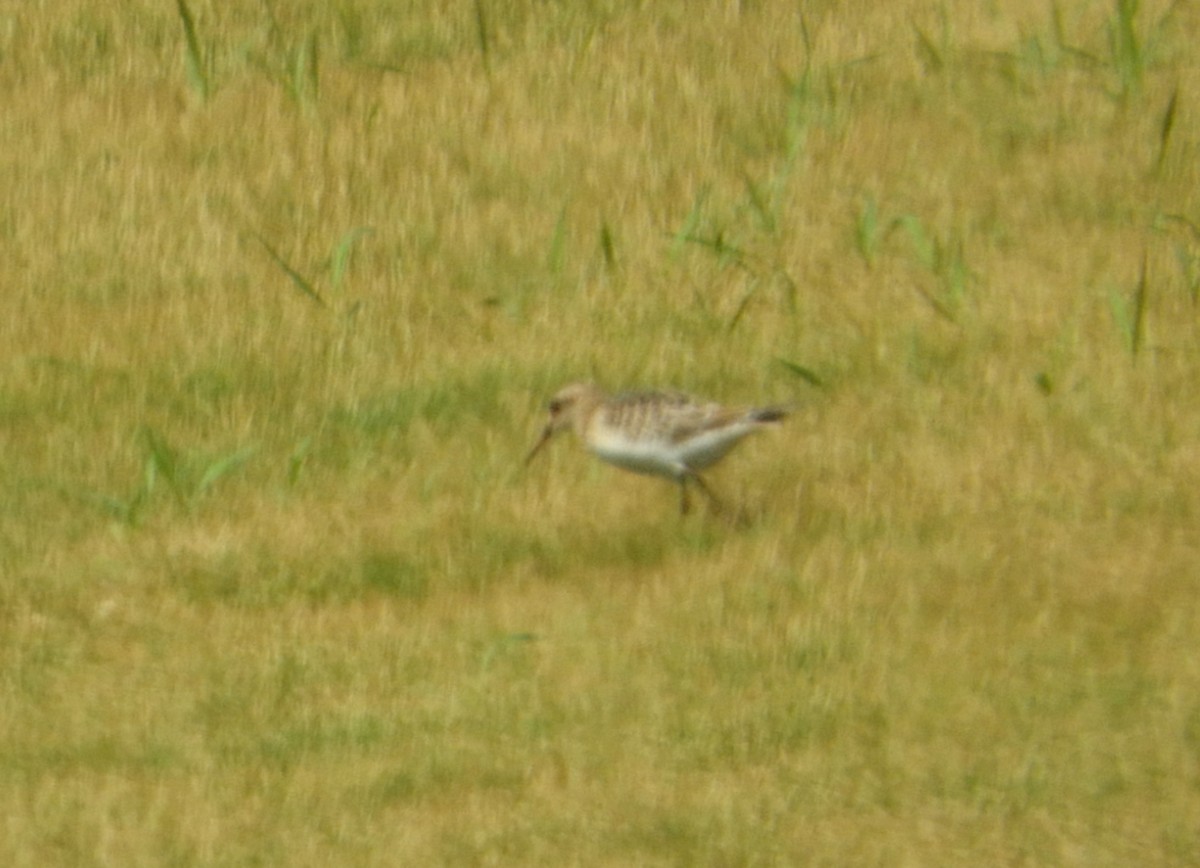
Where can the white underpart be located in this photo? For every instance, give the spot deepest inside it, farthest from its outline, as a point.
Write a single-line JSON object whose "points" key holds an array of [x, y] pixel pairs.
{"points": [[661, 457], [711, 446]]}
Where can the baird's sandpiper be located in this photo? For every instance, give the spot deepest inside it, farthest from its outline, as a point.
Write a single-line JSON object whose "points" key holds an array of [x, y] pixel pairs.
{"points": [[657, 433]]}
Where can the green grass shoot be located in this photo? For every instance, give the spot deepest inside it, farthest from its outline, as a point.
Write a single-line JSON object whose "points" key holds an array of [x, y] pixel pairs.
{"points": [[482, 37], [343, 252], [1129, 313], [306, 70], [1126, 48], [557, 252], [868, 232], [1166, 127], [302, 283], [197, 72]]}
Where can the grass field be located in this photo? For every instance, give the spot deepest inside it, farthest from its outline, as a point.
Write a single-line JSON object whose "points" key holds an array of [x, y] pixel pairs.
{"points": [[288, 284]]}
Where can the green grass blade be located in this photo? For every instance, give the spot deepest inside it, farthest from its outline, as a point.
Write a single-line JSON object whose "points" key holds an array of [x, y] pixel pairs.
{"points": [[339, 260], [938, 306], [923, 245], [953, 271], [306, 71], [1139, 311], [352, 33], [163, 461], [1122, 314], [481, 33], [1128, 58], [1056, 24], [194, 58], [930, 55], [867, 233], [608, 246], [296, 277], [556, 255], [687, 231], [742, 306], [1167, 125], [726, 251], [222, 467], [297, 460], [759, 204], [806, 374], [1189, 268]]}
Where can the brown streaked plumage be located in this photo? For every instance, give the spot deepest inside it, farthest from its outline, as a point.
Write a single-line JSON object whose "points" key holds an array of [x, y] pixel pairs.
{"points": [[665, 434]]}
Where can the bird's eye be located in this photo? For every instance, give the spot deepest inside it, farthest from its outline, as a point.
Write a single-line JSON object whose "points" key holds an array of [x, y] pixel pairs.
{"points": [[556, 406]]}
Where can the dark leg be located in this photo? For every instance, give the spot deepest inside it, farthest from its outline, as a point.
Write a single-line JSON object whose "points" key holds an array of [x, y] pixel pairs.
{"points": [[684, 503], [703, 486]]}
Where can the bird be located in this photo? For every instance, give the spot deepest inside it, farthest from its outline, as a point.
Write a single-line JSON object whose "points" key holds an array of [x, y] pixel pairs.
{"points": [[656, 433]]}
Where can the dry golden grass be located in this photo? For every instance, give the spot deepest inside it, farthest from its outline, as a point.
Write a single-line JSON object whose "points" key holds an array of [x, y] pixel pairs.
{"points": [[275, 589]]}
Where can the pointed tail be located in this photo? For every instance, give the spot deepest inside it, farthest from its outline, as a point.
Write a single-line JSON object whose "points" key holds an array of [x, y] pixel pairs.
{"points": [[769, 414]]}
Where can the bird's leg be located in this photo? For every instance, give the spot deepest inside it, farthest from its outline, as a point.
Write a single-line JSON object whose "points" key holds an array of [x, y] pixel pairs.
{"points": [[684, 503], [715, 501]]}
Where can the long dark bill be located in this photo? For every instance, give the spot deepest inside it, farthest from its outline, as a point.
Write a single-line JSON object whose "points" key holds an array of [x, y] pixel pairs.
{"points": [[541, 442]]}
